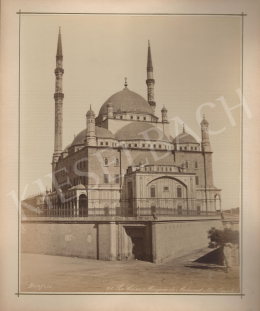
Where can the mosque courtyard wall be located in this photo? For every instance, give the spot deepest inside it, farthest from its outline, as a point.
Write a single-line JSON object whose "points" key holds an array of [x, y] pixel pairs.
{"points": [[153, 241]]}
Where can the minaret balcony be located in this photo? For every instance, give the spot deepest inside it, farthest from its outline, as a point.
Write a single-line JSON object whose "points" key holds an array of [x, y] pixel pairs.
{"points": [[59, 57], [150, 81], [59, 70], [58, 95]]}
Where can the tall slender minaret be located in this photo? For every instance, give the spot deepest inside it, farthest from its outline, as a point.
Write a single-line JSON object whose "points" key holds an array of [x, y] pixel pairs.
{"points": [[205, 143], [90, 139], [207, 153], [150, 80], [58, 96]]}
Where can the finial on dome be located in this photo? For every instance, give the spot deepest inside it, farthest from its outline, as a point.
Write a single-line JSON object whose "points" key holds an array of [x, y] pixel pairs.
{"points": [[90, 107], [125, 82], [183, 128]]}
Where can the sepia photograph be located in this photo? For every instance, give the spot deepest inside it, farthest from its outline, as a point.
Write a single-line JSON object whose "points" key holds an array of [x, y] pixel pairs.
{"points": [[130, 154]]}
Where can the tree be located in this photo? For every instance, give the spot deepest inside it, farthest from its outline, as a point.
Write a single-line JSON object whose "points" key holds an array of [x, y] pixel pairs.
{"points": [[225, 239]]}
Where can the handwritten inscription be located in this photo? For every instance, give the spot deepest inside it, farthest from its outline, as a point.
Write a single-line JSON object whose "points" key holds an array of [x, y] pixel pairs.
{"points": [[184, 289], [38, 286]]}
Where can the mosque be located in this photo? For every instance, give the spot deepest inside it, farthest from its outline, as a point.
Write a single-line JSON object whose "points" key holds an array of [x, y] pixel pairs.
{"points": [[124, 188]]}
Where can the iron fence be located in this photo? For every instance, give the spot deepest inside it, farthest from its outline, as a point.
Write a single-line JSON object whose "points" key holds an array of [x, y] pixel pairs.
{"points": [[88, 212]]}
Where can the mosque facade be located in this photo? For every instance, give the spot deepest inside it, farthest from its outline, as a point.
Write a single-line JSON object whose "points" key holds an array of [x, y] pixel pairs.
{"points": [[136, 191]]}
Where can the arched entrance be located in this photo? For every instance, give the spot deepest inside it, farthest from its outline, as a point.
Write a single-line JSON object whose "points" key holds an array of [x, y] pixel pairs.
{"points": [[83, 205], [217, 203]]}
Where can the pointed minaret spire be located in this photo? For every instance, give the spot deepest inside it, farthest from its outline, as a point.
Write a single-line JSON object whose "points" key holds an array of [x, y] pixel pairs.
{"points": [[150, 80], [58, 96], [59, 46], [149, 58]]}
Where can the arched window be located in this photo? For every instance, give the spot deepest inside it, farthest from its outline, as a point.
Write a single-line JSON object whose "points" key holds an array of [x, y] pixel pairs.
{"points": [[152, 191], [179, 192], [118, 210], [179, 208], [106, 209], [83, 205], [198, 209], [217, 203]]}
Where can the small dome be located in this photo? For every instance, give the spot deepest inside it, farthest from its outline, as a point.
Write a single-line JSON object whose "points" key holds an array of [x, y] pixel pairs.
{"points": [[164, 109], [90, 113], [133, 131], [127, 101], [100, 133], [204, 122], [184, 138], [78, 187]]}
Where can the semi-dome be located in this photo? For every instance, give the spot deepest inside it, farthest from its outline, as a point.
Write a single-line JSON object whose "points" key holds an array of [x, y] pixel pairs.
{"points": [[100, 133], [184, 138], [127, 101], [133, 131]]}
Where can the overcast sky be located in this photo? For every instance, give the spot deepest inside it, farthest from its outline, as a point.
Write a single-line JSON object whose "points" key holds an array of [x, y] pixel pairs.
{"points": [[196, 60]]}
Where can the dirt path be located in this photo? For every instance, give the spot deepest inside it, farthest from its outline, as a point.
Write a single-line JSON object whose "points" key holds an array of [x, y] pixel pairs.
{"points": [[45, 273]]}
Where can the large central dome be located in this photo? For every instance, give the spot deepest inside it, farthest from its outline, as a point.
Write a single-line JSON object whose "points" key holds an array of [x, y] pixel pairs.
{"points": [[127, 101]]}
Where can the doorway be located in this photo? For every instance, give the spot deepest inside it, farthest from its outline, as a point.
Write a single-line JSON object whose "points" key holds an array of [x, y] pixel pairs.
{"points": [[83, 205], [135, 243], [138, 248]]}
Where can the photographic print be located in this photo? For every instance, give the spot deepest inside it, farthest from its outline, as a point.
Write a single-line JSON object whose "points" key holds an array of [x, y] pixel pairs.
{"points": [[130, 154]]}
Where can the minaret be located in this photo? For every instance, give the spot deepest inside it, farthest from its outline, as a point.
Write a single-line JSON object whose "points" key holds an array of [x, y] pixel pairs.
{"points": [[207, 155], [58, 96], [205, 143], [150, 80], [164, 115], [91, 130]]}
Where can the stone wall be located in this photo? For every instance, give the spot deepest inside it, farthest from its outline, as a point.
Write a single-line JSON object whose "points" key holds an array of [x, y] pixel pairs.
{"points": [[173, 239], [114, 240], [76, 240]]}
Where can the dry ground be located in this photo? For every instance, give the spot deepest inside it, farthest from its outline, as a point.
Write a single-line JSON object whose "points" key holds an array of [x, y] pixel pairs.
{"points": [[45, 273]]}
